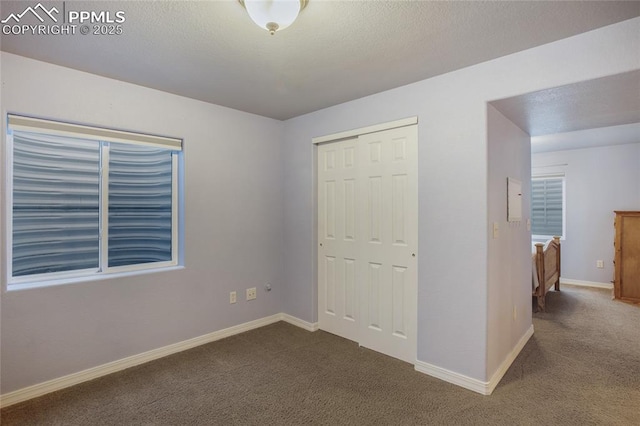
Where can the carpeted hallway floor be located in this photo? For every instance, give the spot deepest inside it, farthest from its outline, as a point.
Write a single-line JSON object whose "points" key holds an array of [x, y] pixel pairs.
{"points": [[582, 366]]}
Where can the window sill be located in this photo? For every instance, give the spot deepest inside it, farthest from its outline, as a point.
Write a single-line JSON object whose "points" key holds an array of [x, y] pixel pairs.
{"points": [[87, 278]]}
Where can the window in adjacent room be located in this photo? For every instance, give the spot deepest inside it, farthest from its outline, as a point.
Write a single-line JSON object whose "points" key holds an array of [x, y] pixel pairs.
{"points": [[87, 202], [548, 206]]}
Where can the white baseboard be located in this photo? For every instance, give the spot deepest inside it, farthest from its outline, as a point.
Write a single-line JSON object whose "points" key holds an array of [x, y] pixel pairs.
{"points": [[504, 366], [586, 283], [484, 388], [49, 386], [20, 395], [309, 326], [452, 377]]}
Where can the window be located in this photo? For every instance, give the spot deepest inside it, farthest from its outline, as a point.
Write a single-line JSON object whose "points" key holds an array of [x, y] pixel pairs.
{"points": [[87, 201], [548, 206]]}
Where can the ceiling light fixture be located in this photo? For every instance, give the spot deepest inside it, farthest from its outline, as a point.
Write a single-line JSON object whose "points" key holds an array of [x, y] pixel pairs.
{"points": [[273, 15]]}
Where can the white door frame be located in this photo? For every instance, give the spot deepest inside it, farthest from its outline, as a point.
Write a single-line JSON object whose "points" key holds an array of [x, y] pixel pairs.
{"points": [[364, 130]]}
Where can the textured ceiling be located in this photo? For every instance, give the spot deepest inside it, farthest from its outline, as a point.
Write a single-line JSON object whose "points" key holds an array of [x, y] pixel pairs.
{"points": [[599, 112], [602, 102], [336, 51]]}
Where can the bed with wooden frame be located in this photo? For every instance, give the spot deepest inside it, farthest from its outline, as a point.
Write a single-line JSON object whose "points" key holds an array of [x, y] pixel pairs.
{"points": [[546, 269]]}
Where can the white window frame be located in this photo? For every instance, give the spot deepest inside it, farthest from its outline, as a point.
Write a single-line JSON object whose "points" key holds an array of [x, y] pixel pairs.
{"points": [[104, 137], [564, 205]]}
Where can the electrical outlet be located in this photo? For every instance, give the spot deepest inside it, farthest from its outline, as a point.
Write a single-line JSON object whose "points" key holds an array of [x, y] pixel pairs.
{"points": [[251, 293], [232, 297], [600, 264]]}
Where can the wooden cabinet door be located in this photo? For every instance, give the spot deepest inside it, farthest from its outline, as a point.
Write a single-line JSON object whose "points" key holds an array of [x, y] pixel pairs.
{"points": [[627, 256]]}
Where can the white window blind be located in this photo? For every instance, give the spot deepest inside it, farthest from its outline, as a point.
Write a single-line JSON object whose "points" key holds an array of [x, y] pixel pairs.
{"points": [[55, 204], [547, 206], [84, 204], [140, 205]]}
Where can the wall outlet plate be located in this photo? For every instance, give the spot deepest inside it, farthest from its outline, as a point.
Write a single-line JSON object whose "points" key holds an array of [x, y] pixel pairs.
{"points": [[251, 293], [232, 297]]}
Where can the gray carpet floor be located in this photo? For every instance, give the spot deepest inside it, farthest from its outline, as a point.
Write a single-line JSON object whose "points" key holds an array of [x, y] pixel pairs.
{"points": [[582, 367]]}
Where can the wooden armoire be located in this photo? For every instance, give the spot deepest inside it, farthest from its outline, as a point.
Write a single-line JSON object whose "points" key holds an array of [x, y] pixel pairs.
{"points": [[626, 284]]}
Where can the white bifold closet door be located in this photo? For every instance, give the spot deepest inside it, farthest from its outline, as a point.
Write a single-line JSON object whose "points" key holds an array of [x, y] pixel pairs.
{"points": [[367, 236]]}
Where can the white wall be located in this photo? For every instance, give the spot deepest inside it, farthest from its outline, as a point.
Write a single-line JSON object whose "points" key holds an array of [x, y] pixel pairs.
{"points": [[598, 181], [233, 235], [453, 188], [509, 269]]}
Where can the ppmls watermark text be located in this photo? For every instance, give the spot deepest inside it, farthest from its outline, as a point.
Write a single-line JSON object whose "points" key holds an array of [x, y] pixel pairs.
{"points": [[56, 19]]}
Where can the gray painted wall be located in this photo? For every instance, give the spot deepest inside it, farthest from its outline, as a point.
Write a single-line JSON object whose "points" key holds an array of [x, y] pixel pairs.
{"points": [[453, 227], [233, 235], [509, 270], [597, 181]]}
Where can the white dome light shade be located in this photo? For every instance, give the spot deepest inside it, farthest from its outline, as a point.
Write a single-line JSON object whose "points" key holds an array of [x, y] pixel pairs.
{"points": [[273, 15]]}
